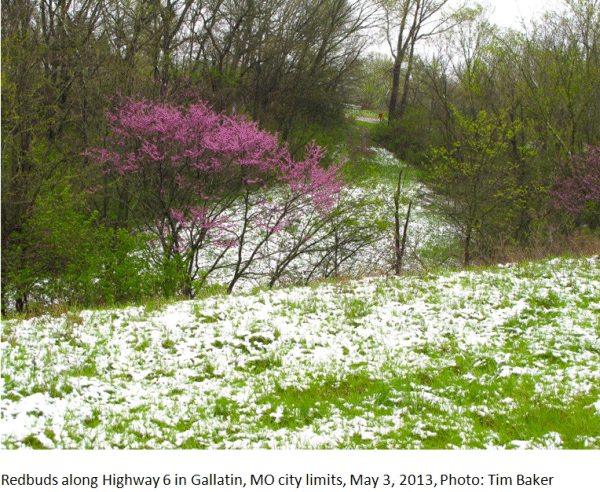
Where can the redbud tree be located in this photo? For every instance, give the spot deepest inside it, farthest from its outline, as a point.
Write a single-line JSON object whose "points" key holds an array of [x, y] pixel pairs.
{"points": [[199, 180], [579, 191]]}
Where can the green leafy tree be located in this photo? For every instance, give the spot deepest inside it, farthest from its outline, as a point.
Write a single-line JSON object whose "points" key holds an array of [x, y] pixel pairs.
{"points": [[474, 180], [51, 54]]}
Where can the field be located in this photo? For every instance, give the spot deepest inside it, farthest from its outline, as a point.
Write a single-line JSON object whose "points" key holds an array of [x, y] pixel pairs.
{"points": [[505, 357], [438, 358]]}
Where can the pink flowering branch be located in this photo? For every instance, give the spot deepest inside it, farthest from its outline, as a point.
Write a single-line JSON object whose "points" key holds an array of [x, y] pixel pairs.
{"points": [[579, 192], [183, 169]]}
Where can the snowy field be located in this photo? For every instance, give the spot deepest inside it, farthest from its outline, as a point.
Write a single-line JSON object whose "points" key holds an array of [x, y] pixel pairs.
{"points": [[507, 357]]}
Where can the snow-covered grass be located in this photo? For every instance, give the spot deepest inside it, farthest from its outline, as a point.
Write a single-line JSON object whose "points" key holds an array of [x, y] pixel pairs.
{"points": [[492, 358], [363, 240]]}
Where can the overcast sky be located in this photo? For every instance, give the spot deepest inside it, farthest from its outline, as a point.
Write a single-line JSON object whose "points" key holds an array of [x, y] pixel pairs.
{"points": [[509, 13], [506, 13]]}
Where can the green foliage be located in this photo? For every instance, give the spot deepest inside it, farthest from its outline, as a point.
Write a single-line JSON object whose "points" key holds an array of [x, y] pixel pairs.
{"points": [[320, 120], [124, 275], [477, 179], [360, 169], [407, 138], [64, 255], [57, 240], [173, 275], [369, 90]]}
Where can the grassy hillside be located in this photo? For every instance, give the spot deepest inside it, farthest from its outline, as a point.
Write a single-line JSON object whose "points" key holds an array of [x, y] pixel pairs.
{"points": [[492, 358]]}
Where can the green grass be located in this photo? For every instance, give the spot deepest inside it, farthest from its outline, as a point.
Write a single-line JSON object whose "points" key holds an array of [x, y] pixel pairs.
{"points": [[366, 124]]}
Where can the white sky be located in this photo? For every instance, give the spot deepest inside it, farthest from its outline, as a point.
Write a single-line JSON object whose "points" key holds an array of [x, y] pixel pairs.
{"points": [[506, 13], [509, 13]]}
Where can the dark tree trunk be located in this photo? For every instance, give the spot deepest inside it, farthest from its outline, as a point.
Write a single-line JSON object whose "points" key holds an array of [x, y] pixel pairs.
{"points": [[404, 235], [467, 257], [397, 224]]}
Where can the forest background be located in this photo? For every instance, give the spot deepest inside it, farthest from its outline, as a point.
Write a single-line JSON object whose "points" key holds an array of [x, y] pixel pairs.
{"points": [[501, 125]]}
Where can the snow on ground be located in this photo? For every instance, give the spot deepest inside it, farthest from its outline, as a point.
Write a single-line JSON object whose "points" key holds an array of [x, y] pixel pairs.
{"points": [[503, 357], [371, 206]]}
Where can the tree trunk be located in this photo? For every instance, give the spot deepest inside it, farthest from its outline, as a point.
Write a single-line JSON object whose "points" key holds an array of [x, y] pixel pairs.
{"points": [[397, 225], [395, 87], [402, 106], [404, 235], [467, 258]]}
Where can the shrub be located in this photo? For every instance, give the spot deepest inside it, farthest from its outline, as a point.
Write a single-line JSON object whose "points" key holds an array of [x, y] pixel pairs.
{"points": [[578, 191]]}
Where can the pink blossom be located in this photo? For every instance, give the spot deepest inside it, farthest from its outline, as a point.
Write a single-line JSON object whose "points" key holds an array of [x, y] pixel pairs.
{"points": [[186, 165], [581, 185]]}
